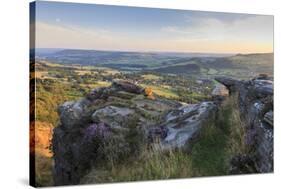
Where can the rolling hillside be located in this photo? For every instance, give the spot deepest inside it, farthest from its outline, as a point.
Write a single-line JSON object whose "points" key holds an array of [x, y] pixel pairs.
{"points": [[199, 64]]}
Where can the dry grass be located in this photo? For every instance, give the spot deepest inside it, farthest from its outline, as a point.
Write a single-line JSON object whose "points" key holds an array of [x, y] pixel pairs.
{"points": [[220, 139], [151, 165], [151, 77], [236, 142]]}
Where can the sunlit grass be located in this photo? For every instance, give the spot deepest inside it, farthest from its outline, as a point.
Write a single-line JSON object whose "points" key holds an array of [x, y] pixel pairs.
{"points": [[151, 77]]}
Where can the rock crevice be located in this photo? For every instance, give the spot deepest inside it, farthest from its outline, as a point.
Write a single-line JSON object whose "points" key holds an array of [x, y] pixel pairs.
{"points": [[122, 115], [117, 119], [255, 98]]}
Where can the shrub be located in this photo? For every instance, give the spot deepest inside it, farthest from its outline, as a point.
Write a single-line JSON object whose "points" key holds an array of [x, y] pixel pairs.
{"points": [[149, 93]]}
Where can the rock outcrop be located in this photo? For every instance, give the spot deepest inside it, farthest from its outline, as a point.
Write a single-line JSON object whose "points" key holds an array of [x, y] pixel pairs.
{"points": [[255, 99], [220, 92], [105, 115], [182, 126], [116, 120]]}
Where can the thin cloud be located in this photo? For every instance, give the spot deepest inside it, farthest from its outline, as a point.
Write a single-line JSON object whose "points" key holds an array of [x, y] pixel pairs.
{"points": [[254, 28], [251, 34]]}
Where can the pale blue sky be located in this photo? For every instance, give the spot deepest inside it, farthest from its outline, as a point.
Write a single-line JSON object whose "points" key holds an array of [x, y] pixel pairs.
{"points": [[89, 26]]}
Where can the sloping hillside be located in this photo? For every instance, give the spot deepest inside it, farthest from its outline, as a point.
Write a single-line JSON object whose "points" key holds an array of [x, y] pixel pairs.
{"points": [[239, 66]]}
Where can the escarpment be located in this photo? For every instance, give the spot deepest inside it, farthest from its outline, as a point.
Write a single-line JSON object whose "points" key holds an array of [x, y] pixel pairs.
{"points": [[116, 120], [255, 98], [112, 124]]}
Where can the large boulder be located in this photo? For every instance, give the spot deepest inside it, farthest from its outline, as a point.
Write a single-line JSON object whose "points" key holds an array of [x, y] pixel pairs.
{"points": [[127, 86], [263, 88], [182, 126], [227, 81], [116, 117], [97, 93], [108, 121], [75, 151], [220, 92], [74, 113]]}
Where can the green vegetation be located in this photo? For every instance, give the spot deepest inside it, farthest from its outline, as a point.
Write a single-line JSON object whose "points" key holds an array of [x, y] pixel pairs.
{"points": [[210, 155], [151, 77], [43, 170], [57, 84], [219, 140], [239, 66], [50, 94], [191, 97]]}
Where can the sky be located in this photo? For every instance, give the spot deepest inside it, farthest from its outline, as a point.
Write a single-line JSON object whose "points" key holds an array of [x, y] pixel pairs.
{"points": [[121, 28]]}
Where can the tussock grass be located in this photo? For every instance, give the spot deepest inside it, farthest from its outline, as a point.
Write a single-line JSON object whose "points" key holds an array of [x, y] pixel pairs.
{"points": [[220, 140], [151, 165]]}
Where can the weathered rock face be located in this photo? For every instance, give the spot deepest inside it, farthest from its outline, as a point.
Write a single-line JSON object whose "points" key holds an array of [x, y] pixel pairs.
{"points": [[127, 86], [256, 106], [181, 126], [268, 118], [105, 116], [220, 92], [228, 82], [115, 120], [116, 117], [72, 112]]}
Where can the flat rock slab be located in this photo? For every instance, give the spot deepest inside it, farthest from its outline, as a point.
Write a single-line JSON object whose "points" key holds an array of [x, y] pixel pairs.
{"points": [[183, 125], [113, 116]]}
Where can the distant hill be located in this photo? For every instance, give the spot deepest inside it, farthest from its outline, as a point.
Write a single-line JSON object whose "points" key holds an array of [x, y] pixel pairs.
{"points": [[253, 59], [97, 57], [239, 65]]}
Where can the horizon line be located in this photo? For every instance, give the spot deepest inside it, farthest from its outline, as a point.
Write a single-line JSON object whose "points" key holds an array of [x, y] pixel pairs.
{"points": [[143, 51]]}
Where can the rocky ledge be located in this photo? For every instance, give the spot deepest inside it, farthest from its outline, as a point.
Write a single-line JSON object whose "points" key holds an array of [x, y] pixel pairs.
{"points": [[117, 120], [182, 126], [255, 99]]}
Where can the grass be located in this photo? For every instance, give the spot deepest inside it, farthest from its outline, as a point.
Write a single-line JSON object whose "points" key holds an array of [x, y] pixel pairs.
{"points": [[220, 141], [43, 170], [151, 165], [83, 72], [210, 156], [151, 77], [111, 71]]}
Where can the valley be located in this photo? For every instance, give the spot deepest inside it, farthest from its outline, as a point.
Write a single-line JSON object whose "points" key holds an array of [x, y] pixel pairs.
{"points": [[170, 79], [243, 66]]}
